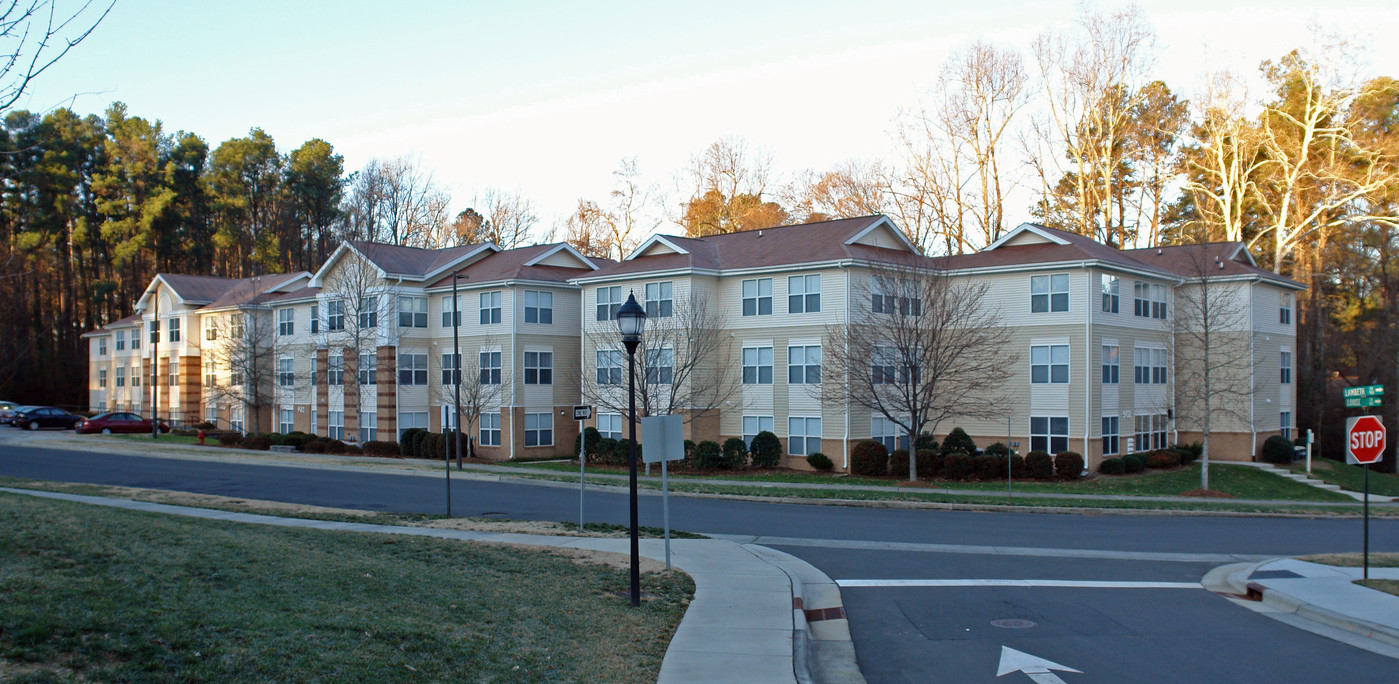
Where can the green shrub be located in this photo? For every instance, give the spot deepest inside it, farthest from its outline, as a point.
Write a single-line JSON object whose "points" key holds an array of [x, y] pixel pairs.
{"points": [[420, 446], [708, 455], [957, 466], [406, 442], [1068, 465], [957, 440], [205, 426], [604, 451], [373, 448], [1278, 449], [590, 436], [1039, 465], [898, 464], [297, 439], [1163, 458], [1186, 454], [273, 438], [621, 454], [735, 453], [766, 450], [925, 442], [1112, 466], [929, 463], [997, 449], [1134, 463], [432, 446], [256, 442], [1017, 465], [315, 446], [869, 458], [229, 439], [989, 467], [820, 462], [689, 451], [353, 450]]}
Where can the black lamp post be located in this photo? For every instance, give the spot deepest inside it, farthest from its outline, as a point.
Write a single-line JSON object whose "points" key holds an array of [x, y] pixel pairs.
{"points": [[456, 354], [631, 322]]}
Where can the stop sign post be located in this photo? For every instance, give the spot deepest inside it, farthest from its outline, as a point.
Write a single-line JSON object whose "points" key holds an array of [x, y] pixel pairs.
{"points": [[1365, 440]]}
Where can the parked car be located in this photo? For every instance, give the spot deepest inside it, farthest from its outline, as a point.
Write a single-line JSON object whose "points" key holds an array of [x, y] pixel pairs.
{"points": [[7, 416], [108, 423], [7, 408], [35, 417]]}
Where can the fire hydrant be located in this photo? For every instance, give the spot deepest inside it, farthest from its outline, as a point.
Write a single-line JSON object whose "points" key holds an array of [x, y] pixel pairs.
{"points": [[201, 438]]}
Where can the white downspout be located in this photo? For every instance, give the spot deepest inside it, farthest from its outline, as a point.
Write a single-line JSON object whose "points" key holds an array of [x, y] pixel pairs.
{"points": [[1252, 378], [845, 438], [1087, 363], [397, 349], [515, 377]]}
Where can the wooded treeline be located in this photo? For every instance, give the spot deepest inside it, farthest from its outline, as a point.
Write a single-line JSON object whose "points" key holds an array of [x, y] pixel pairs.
{"points": [[1306, 172]]}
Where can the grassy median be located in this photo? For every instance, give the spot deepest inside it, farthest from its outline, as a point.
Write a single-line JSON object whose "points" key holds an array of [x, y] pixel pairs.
{"points": [[1350, 477], [99, 594]]}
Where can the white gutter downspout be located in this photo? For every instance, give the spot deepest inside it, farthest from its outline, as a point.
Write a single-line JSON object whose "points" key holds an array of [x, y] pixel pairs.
{"points": [[515, 378], [397, 349], [1252, 379], [845, 438], [1087, 362]]}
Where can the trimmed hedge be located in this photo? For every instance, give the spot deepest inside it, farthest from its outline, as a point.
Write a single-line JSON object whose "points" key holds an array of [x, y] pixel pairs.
{"points": [[1068, 465], [256, 442], [925, 442], [229, 439], [1278, 449], [592, 437], [820, 462], [929, 463], [1039, 465], [988, 467], [957, 466], [869, 459], [406, 442], [708, 455], [997, 449], [1112, 466], [390, 449], [1163, 458], [606, 452], [956, 441], [735, 453], [766, 450], [898, 464], [1133, 463]]}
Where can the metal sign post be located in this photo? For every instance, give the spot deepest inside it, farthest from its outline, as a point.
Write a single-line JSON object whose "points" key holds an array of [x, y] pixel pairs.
{"points": [[580, 414], [663, 439], [1365, 444]]}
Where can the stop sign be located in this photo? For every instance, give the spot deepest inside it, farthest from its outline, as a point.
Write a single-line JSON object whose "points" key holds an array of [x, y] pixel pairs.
{"points": [[1364, 440]]}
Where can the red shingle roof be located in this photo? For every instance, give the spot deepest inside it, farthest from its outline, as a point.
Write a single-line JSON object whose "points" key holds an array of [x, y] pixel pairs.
{"points": [[401, 260], [1195, 261], [510, 265]]}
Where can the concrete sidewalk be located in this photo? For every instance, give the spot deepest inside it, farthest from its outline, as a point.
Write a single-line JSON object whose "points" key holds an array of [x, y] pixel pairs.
{"points": [[1324, 595], [758, 615]]}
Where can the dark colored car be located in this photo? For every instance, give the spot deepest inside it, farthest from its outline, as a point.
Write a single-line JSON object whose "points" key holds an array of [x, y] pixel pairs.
{"points": [[108, 423], [7, 416], [35, 417], [7, 408]]}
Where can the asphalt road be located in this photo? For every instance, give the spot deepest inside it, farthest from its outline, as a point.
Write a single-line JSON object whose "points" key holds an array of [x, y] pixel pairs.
{"points": [[902, 633]]}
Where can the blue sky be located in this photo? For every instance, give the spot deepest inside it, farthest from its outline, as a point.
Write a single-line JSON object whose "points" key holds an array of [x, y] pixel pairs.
{"points": [[547, 97]]}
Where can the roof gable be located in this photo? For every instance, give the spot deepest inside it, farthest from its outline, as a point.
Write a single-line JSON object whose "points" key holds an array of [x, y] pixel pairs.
{"points": [[883, 233], [657, 245], [563, 255], [1027, 234]]}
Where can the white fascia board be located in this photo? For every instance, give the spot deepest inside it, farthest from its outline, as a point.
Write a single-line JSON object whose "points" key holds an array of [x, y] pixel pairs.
{"points": [[653, 240], [1025, 227], [1050, 265], [509, 282], [884, 221], [296, 278], [643, 275], [564, 247], [449, 266], [1248, 256]]}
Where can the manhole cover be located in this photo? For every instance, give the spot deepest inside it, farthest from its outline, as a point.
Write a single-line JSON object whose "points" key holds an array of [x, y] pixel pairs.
{"points": [[1012, 623]]}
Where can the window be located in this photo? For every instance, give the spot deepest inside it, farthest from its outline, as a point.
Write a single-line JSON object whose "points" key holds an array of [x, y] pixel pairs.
{"points": [[1049, 433], [1049, 293], [101, 346], [660, 366], [451, 312], [136, 338], [211, 379], [490, 368], [1149, 366], [539, 307], [121, 376], [804, 365], [1110, 286], [412, 312], [1286, 377], [449, 418], [369, 312], [235, 377], [286, 324], [121, 340], [539, 368], [1112, 364], [1285, 424], [135, 377], [451, 369], [490, 308], [609, 425], [284, 421], [408, 420], [757, 297], [368, 427], [609, 300], [490, 429], [1284, 309], [315, 318], [609, 366], [102, 378], [368, 369], [235, 322], [335, 370], [235, 417], [335, 315], [1049, 364], [803, 436], [882, 301], [174, 330], [1149, 301], [174, 369], [804, 294], [757, 365], [154, 327], [539, 429], [286, 376], [1158, 366], [752, 425], [659, 300], [1110, 444], [211, 412], [888, 433], [1150, 432], [412, 369]]}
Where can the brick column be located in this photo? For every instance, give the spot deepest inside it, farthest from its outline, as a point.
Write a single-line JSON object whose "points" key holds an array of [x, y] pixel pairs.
{"points": [[351, 394], [322, 391], [387, 393], [190, 382]]}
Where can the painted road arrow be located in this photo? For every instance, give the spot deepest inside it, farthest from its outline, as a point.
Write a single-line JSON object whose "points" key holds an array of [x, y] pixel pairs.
{"points": [[1035, 667]]}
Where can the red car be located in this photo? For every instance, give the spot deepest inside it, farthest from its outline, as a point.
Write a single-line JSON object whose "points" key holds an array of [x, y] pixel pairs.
{"points": [[108, 423]]}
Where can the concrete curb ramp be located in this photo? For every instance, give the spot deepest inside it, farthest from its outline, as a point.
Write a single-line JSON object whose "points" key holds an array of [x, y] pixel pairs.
{"points": [[748, 621], [1323, 594]]}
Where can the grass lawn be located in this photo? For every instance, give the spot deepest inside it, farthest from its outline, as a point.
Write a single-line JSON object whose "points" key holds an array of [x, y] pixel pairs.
{"points": [[1350, 477], [166, 439], [1354, 560], [1386, 586], [98, 594]]}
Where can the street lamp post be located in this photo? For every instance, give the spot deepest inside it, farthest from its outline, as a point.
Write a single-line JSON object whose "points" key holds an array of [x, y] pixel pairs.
{"points": [[631, 322], [456, 354]]}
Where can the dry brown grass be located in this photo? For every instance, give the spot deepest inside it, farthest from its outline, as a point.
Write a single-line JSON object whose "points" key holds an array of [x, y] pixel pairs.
{"points": [[1353, 560]]}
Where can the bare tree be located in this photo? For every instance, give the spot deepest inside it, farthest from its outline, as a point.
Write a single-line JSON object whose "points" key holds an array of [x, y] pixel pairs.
{"points": [[726, 186], [244, 346], [38, 34], [1223, 162], [505, 217], [683, 364], [1213, 354], [921, 346], [482, 384], [612, 231], [396, 201], [853, 188], [355, 318]]}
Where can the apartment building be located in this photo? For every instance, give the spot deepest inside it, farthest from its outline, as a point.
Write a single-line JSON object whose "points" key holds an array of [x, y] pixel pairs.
{"points": [[737, 332]]}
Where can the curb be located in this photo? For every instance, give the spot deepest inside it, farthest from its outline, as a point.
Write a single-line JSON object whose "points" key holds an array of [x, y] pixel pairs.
{"points": [[1289, 604], [822, 650]]}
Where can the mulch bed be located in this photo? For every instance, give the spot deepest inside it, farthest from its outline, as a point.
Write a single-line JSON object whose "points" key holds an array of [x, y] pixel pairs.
{"points": [[1207, 494]]}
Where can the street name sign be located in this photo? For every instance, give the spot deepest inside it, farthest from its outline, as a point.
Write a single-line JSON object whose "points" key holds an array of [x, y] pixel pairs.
{"points": [[1365, 440], [1363, 402], [1363, 391]]}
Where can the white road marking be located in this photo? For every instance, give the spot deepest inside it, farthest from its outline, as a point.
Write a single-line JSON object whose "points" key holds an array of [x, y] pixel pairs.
{"points": [[1080, 584], [1035, 667]]}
